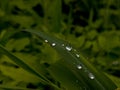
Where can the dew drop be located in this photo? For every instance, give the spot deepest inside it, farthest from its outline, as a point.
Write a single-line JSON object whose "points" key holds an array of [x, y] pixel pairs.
{"points": [[68, 48], [46, 41], [79, 66], [77, 55], [53, 44], [91, 76]]}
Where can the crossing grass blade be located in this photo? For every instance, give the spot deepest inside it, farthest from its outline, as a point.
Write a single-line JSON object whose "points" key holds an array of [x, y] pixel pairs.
{"points": [[56, 15], [88, 75], [22, 64], [27, 67], [14, 88]]}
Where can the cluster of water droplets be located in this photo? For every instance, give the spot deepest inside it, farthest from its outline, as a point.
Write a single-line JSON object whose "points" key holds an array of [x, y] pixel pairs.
{"points": [[53, 44], [79, 66]]}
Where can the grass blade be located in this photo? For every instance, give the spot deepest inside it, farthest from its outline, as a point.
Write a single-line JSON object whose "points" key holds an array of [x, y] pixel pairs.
{"points": [[66, 78], [22, 64], [80, 67], [14, 88], [56, 16]]}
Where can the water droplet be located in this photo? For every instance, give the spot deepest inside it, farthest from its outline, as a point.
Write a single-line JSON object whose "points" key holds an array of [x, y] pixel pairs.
{"points": [[68, 48], [79, 66], [91, 76], [77, 55], [46, 41], [53, 44]]}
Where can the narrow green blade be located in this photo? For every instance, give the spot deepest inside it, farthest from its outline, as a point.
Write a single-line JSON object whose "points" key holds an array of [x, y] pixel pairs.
{"points": [[56, 15], [4, 87], [22, 64], [66, 78], [91, 78]]}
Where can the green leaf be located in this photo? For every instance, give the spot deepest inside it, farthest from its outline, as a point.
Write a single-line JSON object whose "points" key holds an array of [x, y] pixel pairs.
{"points": [[56, 15], [17, 74], [66, 78], [116, 80], [89, 77], [18, 44], [26, 66], [6, 34], [22, 64], [109, 40], [54, 12], [3, 87]]}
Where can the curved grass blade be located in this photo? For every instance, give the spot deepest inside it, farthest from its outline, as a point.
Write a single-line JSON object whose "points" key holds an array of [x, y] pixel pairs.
{"points": [[66, 78], [22, 64], [91, 78], [27, 67], [14, 88], [7, 35]]}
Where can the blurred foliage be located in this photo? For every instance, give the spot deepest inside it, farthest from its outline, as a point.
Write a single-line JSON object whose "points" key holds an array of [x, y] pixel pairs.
{"points": [[91, 26]]}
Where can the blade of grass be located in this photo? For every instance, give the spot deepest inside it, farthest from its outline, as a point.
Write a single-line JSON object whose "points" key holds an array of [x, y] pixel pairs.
{"points": [[7, 35], [21, 63], [26, 67], [66, 78], [54, 13], [57, 16], [14, 88], [81, 68], [107, 14], [90, 20]]}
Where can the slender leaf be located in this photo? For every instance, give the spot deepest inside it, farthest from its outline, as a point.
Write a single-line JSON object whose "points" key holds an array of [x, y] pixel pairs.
{"points": [[89, 76], [56, 15], [66, 78], [27, 67], [22, 64], [7, 35], [53, 13], [14, 88]]}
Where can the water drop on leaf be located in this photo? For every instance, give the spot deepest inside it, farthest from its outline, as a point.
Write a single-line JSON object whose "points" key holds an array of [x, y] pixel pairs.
{"points": [[46, 41], [53, 44], [68, 48], [91, 76], [77, 55], [79, 66]]}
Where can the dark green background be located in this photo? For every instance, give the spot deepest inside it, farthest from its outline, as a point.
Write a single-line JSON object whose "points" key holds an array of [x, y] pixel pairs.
{"points": [[92, 26]]}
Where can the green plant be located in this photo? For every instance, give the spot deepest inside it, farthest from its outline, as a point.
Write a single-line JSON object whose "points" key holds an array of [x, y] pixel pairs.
{"points": [[96, 35], [82, 75]]}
